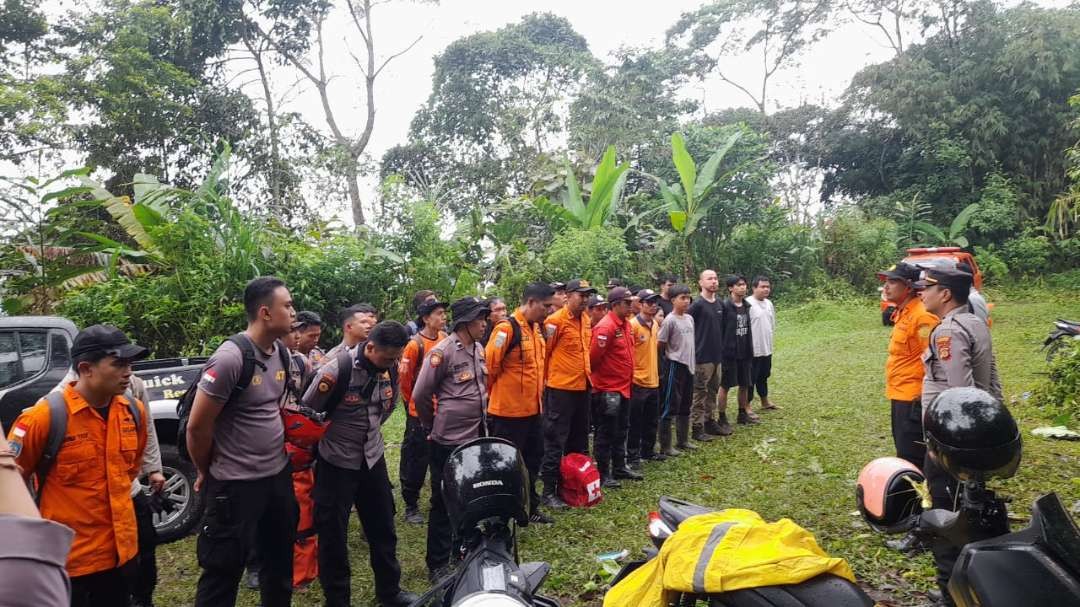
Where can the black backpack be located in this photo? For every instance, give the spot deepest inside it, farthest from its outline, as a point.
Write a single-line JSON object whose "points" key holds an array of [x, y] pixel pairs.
{"points": [[58, 419], [344, 376], [247, 371]]}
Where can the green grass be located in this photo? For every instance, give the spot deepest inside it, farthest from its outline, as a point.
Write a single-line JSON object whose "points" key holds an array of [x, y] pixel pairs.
{"points": [[800, 463]]}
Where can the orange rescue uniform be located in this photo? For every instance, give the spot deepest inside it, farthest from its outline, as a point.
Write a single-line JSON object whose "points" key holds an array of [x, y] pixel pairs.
{"points": [[515, 378], [910, 338], [89, 485], [409, 367], [568, 340], [646, 354]]}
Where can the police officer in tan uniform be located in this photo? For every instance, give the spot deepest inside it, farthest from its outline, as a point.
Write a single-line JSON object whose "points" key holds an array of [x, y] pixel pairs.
{"points": [[453, 374], [960, 354]]}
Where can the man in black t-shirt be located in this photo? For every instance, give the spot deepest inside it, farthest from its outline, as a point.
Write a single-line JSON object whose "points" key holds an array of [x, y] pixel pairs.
{"points": [[666, 282], [738, 351], [707, 313]]}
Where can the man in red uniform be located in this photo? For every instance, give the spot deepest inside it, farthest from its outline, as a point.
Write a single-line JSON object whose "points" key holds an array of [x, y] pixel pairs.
{"points": [[611, 355]]}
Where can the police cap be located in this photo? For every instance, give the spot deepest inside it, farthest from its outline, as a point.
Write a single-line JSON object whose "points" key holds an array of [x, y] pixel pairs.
{"points": [[950, 278]]}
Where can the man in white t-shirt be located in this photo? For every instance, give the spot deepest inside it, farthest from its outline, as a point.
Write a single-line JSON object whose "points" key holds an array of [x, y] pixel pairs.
{"points": [[762, 326]]}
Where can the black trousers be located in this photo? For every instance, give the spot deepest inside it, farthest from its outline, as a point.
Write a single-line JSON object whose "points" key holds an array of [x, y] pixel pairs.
{"points": [[609, 433], [944, 490], [440, 536], [414, 461], [109, 588], [907, 431], [760, 370], [527, 434], [678, 395], [566, 430], [145, 579], [644, 419], [337, 490], [239, 512]]}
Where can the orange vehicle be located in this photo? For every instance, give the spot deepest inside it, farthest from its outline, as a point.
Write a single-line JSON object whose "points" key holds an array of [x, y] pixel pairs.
{"points": [[938, 257]]}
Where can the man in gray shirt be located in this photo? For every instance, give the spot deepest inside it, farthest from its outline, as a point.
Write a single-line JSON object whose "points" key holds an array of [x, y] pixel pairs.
{"points": [[453, 373], [237, 442], [678, 351], [351, 467]]}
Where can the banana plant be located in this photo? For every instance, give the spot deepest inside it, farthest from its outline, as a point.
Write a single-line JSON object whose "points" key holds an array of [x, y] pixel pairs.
{"points": [[573, 210], [955, 235], [689, 201]]}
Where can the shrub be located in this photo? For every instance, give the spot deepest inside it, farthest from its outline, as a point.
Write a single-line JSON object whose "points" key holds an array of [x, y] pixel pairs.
{"points": [[855, 248], [993, 267], [596, 255], [1028, 253], [1059, 395]]}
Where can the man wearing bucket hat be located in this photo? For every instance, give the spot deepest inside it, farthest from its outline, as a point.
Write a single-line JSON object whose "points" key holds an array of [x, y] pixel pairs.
{"points": [[93, 500], [566, 406], [453, 375], [430, 318]]}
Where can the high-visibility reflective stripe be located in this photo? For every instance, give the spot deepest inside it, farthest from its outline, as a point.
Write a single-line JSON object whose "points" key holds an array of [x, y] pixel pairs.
{"points": [[715, 536]]}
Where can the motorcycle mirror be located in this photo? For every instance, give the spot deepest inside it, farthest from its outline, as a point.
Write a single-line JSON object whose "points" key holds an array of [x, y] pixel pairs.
{"points": [[535, 573]]}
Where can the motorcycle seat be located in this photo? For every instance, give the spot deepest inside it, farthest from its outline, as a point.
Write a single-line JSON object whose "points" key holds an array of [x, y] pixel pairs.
{"points": [[825, 589]]}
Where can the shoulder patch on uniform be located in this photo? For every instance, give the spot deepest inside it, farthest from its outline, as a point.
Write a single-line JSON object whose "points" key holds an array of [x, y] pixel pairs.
{"points": [[500, 339], [924, 331], [326, 382], [549, 330], [943, 343], [436, 358], [602, 339], [15, 446]]}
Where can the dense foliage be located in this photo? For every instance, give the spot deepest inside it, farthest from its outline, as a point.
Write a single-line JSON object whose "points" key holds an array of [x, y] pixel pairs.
{"points": [[532, 157]]}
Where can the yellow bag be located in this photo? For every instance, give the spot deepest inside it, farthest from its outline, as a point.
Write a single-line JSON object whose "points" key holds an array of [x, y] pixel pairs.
{"points": [[723, 551]]}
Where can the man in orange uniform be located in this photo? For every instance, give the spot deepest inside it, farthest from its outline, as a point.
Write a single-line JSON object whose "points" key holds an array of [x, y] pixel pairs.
{"points": [[904, 370], [645, 389], [515, 366], [431, 318], [566, 411], [87, 482]]}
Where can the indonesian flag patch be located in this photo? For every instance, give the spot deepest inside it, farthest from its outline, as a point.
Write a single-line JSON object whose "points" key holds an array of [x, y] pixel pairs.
{"points": [[19, 430], [209, 376]]}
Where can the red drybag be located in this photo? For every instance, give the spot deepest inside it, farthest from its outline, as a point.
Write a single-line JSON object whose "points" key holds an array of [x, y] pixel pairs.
{"points": [[580, 484]]}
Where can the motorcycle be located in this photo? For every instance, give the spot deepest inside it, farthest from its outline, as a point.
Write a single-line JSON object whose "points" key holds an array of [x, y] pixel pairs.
{"points": [[974, 438], [822, 590], [1063, 330], [485, 491]]}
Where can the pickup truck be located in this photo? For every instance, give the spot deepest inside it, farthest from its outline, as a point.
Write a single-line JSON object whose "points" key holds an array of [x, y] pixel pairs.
{"points": [[937, 257], [35, 355]]}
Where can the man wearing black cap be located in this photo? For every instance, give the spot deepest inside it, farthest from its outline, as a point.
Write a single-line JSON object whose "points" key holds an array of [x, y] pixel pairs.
{"points": [[560, 297], [612, 358], [86, 485], [454, 375], [959, 354], [597, 308], [431, 318], [566, 371], [645, 390]]}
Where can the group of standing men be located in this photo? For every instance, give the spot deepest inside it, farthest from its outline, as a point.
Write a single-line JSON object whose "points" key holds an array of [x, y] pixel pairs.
{"points": [[939, 341], [643, 371]]}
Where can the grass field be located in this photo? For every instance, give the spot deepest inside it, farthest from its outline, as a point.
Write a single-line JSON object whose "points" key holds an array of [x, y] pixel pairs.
{"points": [[800, 463]]}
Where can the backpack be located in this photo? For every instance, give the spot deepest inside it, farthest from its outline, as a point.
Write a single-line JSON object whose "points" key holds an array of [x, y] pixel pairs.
{"points": [[579, 482], [58, 419], [515, 336], [247, 371], [344, 376]]}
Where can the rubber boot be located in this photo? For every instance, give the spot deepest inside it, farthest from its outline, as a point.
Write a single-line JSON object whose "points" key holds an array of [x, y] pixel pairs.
{"points": [[698, 434], [665, 439], [682, 433]]}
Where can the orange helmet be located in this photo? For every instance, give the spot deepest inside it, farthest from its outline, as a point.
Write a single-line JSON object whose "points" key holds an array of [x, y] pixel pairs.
{"points": [[304, 428], [886, 498]]}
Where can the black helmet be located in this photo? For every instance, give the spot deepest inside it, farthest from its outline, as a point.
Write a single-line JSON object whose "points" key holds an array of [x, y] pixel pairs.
{"points": [[972, 435], [485, 478]]}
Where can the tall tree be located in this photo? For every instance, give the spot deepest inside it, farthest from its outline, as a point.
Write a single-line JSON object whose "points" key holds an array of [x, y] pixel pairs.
{"points": [[777, 32], [498, 104], [295, 30]]}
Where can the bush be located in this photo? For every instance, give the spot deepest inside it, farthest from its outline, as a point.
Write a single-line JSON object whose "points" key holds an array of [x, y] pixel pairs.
{"points": [[1028, 253], [1059, 395], [789, 254], [855, 248], [993, 267], [997, 209], [596, 255]]}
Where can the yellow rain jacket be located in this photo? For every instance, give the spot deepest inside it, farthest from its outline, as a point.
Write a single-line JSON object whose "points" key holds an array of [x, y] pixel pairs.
{"points": [[723, 551]]}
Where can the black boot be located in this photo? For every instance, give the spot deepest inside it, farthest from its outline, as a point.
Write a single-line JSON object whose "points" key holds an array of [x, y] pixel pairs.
{"points": [[699, 435], [682, 434], [550, 499], [628, 474], [666, 449]]}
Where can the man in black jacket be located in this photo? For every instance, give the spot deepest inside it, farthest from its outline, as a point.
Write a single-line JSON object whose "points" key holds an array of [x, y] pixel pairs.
{"points": [[738, 350]]}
